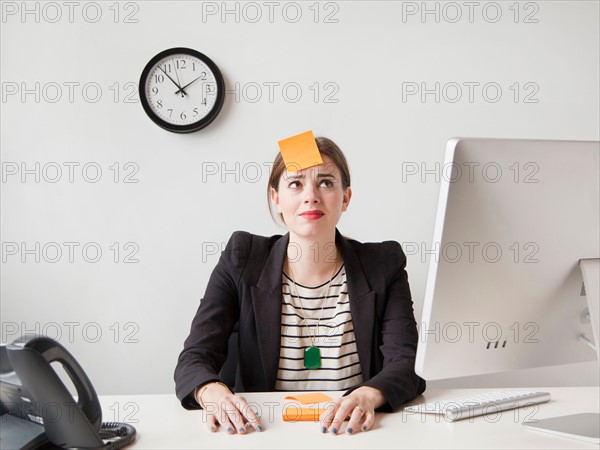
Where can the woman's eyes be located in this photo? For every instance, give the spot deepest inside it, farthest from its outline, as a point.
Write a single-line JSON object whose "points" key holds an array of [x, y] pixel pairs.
{"points": [[297, 184]]}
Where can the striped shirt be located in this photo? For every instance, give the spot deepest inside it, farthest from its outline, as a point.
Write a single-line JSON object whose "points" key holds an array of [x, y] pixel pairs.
{"points": [[340, 368]]}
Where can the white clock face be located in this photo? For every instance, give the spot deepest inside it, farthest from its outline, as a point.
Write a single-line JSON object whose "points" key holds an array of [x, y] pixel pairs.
{"points": [[181, 89]]}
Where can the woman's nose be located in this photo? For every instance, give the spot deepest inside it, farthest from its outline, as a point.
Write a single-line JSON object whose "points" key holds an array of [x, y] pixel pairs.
{"points": [[311, 194]]}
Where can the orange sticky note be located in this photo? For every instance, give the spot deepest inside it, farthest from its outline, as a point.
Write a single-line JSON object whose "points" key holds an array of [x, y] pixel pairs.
{"points": [[300, 152], [307, 399], [293, 414]]}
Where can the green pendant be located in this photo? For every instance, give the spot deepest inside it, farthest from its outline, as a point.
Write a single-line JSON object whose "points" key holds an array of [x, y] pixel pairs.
{"points": [[312, 358]]}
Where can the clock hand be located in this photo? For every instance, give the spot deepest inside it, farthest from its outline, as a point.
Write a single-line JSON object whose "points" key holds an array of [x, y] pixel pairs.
{"points": [[170, 79], [182, 88], [183, 93]]}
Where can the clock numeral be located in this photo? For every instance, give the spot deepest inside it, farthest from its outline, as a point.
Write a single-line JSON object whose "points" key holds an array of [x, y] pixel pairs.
{"points": [[159, 103], [203, 76], [204, 101], [170, 112], [195, 112], [182, 116], [193, 66], [180, 63], [168, 68], [159, 78], [155, 90]]}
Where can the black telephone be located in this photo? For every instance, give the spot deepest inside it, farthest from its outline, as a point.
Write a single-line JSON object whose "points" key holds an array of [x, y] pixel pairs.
{"points": [[38, 412]]}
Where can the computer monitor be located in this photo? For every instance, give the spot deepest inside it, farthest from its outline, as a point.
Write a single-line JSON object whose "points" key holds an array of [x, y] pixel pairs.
{"points": [[517, 227]]}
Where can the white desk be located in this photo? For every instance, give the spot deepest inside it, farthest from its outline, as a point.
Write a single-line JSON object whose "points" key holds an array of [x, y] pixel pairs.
{"points": [[162, 423]]}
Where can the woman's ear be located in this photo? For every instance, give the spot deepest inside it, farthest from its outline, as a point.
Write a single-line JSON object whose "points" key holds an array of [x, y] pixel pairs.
{"points": [[275, 198], [347, 196]]}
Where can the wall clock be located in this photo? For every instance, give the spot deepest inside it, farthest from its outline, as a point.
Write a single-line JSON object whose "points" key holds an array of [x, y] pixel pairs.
{"points": [[182, 90]]}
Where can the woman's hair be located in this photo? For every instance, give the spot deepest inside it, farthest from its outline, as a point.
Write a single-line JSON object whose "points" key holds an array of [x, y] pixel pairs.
{"points": [[326, 147]]}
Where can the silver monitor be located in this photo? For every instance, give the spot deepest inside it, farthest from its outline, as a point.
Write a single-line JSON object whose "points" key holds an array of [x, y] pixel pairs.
{"points": [[514, 281], [504, 289], [517, 230]]}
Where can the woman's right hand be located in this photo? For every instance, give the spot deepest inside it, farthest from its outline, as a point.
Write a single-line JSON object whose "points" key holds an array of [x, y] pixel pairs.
{"points": [[226, 409]]}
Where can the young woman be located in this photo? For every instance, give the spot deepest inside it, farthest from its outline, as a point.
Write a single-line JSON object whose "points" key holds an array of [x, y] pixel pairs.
{"points": [[315, 311]]}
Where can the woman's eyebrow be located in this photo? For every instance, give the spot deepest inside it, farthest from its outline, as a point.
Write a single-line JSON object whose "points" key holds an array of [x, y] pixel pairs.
{"points": [[320, 175]]}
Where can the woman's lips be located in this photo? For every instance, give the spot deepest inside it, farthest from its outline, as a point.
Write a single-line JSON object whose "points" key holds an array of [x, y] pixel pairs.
{"points": [[312, 215]]}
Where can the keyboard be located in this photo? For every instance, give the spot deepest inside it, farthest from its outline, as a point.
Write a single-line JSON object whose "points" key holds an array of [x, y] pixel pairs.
{"points": [[480, 404]]}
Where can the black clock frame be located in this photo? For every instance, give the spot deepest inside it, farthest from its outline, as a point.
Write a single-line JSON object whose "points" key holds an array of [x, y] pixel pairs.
{"points": [[192, 126]]}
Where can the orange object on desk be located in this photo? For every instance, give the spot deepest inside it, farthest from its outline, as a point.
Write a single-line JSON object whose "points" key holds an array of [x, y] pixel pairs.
{"points": [[309, 399], [294, 414]]}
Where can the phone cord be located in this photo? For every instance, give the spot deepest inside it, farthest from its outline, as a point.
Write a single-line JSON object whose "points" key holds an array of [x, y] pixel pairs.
{"points": [[124, 433]]}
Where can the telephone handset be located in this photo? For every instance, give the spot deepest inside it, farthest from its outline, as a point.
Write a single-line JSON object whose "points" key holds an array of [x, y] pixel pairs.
{"points": [[37, 408]]}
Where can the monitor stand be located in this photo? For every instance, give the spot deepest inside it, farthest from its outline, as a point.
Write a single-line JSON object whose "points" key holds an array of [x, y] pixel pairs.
{"points": [[584, 426]]}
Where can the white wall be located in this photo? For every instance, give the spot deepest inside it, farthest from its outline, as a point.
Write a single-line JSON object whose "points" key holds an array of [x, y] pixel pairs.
{"points": [[172, 216]]}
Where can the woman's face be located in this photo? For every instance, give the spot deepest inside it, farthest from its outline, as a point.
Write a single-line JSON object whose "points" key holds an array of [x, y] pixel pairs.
{"points": [[312, 200]]}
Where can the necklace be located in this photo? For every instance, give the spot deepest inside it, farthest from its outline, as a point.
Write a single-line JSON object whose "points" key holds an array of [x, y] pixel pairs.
{"points": [[312, 354]]}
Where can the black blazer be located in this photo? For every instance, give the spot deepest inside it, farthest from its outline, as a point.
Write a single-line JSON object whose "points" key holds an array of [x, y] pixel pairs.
{"points": [[245, 286]]}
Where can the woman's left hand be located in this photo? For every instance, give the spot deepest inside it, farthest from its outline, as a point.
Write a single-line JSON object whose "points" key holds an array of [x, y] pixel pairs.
{"points": [[358, 408]]}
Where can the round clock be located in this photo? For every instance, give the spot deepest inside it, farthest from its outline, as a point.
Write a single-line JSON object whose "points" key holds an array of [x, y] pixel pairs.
{"points": [[182, 90]]}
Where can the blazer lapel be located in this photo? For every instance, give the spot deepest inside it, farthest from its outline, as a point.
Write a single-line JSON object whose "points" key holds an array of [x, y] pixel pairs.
{"points": [[266, 302], [362, 304]]}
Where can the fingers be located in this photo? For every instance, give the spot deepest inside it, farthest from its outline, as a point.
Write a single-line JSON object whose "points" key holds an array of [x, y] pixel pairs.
{"points": [[344, 411], [360, 416], [212, 423], [334, 416], [234, 416], [231, 414], [369, 421], [250, 416], [355, 418], [327, 417]]}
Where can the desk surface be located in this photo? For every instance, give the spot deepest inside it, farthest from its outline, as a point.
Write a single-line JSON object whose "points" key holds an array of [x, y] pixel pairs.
{"points": [[162, 423]]}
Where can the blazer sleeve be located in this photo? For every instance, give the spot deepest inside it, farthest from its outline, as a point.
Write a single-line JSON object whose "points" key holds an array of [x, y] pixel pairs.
{"points": [[205, 349], [398, 339]]}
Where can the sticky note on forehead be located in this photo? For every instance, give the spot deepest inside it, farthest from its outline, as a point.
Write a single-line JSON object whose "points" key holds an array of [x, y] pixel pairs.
{"points": [[300, 152]]}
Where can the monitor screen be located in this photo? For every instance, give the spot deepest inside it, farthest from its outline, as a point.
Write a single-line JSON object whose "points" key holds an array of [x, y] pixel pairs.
{"points": [[504, 288]]}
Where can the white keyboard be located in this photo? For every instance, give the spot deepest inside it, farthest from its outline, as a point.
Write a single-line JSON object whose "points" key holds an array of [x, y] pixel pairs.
{"points": [[479, 404]]}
